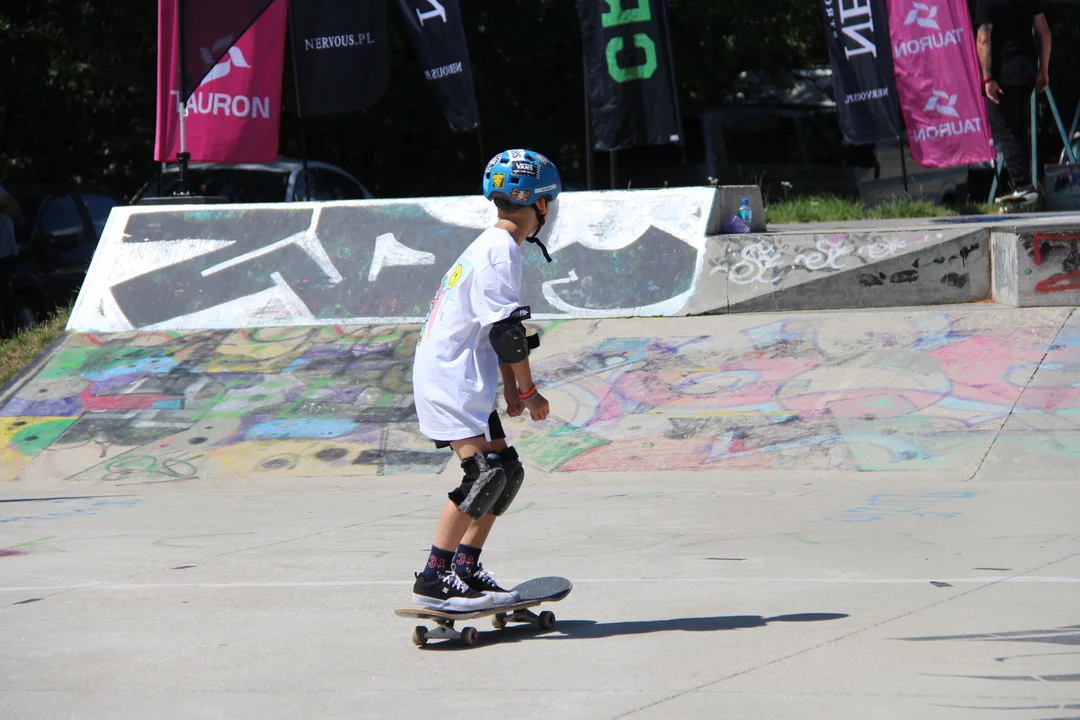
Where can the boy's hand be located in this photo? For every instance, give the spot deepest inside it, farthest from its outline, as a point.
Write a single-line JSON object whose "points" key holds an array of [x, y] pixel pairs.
{"points": [[538, 407], [515, 406]]}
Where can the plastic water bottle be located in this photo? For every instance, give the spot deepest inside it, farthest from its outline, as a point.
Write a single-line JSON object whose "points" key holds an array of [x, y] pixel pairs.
{"points": [[745, 213]]}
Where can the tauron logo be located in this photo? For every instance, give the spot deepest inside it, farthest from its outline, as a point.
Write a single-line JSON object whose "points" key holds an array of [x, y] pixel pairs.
{"points": [[916, 17], [943, 103], [225, 65]]}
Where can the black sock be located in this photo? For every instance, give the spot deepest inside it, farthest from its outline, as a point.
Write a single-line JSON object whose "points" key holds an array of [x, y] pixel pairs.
{"points": [[438, 561], [466, 559]]}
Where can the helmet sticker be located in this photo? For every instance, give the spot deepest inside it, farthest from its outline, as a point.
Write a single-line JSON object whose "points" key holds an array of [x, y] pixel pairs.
{"points": [[517, 154], [546, 188], [521, 196], [498, 180], [543, 160], [519, 167], [494, 161]]}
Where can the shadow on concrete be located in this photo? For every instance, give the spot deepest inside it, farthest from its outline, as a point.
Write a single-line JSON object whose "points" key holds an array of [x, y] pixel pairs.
{"points": [[590, 629], [593, 630]]}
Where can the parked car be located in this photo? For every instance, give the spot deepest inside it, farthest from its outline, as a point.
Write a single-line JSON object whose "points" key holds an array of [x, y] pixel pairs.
{"points": [[786, 149], [281, 181], [57, 234]]}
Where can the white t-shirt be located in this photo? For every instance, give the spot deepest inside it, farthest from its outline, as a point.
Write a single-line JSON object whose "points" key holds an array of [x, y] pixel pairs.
{"points": [[455, 369]]}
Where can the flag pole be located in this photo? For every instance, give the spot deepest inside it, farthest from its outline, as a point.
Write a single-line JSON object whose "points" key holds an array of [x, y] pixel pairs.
{"points": [[183, 156], [590, 159], [673, 80], [296, 88]]}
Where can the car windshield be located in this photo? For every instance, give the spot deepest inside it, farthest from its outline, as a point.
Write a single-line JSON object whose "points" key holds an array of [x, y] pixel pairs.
{"points": [[240, 186]]}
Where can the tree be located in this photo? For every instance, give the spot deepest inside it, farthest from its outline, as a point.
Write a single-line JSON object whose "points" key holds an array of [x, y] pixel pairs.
{"points": [[77, 88]]}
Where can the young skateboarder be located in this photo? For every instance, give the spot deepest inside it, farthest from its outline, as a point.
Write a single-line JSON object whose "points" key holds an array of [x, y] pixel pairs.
{"points": [[473, 332]]}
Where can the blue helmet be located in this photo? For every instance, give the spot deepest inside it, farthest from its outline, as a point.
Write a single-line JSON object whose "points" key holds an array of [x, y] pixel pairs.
{"points": [[521, 177]]}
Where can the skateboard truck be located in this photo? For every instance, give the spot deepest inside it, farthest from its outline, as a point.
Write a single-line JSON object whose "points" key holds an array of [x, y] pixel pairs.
{"points": [[545, 620], [444, 630]]}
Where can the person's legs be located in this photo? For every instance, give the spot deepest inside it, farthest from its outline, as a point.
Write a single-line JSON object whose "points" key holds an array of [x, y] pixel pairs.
{"points": [[467, 558], [454, 524], [1008, 121], [438, 586], [476, 534]]}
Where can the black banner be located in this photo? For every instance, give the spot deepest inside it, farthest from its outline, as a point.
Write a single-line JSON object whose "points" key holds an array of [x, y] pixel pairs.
{"points": [[630, 76], [208, 28], [341, 55], [439, 37], [864, 83]]}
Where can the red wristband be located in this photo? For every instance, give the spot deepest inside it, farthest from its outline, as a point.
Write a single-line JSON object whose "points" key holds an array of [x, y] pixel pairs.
{"points": [[527, 395]]}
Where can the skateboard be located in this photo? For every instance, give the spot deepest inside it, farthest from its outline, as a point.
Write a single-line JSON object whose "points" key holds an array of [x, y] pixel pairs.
{"points": [[1008, 207], [533, 592]]}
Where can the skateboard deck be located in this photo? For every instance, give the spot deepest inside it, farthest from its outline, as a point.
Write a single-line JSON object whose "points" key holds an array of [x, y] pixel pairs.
{"points": [[533, 592], [1006, 207]]}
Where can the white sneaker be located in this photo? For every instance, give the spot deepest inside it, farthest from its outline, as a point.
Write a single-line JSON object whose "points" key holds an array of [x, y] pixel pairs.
{"points": [[481, 580], [1025, 194], [447, 593]]}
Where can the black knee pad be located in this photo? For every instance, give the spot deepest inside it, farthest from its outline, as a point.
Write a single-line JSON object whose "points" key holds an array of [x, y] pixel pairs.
{"points": [[482, 485], [515, 476]]}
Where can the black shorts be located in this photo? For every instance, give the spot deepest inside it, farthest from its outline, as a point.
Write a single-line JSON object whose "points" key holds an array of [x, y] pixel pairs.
{"points": [[495, 429]]}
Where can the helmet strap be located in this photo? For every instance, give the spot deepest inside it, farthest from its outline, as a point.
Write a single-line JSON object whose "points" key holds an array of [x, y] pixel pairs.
{"points": [[534, 238]]}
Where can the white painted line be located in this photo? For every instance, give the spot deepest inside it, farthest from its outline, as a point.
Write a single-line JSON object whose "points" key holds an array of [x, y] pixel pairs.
{"points": [[105, 585]]}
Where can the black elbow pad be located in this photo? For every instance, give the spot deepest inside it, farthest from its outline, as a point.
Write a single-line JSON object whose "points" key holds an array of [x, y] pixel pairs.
{"points": [[509, 340]]}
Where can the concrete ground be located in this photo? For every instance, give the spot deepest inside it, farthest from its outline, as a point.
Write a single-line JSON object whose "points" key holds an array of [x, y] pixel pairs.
{"points": [[944, 584]]}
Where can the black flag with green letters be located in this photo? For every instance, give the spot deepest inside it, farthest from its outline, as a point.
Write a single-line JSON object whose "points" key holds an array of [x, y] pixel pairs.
{"points": [[629, 73]]}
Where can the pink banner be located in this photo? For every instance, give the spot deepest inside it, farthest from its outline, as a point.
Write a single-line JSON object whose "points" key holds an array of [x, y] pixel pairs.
{"points": [[234, 116], [938, 82]]}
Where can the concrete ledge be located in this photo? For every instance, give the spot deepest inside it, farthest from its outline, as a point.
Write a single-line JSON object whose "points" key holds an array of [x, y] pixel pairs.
{"points": [[1037, 268], [799, 271]]}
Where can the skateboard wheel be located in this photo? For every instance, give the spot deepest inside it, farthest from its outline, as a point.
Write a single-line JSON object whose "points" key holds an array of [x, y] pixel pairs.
{"points": [[498, 621], [469, 636], [419, 636], [547, 620]]}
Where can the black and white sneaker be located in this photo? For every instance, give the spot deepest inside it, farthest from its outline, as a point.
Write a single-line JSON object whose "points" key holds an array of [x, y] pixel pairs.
{"points": [[481, 580], [1023, 194], [448, 593]]}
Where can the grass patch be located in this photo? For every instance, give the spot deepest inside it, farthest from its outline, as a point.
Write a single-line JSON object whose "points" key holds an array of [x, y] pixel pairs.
{"points": [[18, 351], [827, 208]]}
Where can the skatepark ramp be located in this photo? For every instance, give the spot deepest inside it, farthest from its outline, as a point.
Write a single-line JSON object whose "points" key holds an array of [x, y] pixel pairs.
{"points": [[650, 253]]}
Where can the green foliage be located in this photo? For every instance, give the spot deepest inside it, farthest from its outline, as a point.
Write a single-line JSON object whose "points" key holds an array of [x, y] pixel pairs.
{"points": [[16, 352], [77, 88], [827, 208]]}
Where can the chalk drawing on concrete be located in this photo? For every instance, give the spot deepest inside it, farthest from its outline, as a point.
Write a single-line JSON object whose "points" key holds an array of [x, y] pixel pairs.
{"points": [[930, 391]]}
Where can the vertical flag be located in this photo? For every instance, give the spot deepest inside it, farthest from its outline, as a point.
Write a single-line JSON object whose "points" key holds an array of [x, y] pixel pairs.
{"points": [[857, 34], [938, 80], [629, 72], [439, 37], [234, 114], [342, 54]]}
